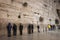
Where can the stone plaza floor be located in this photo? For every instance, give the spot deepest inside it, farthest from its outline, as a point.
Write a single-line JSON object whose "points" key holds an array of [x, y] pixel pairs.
{"points": [[51, 35]]}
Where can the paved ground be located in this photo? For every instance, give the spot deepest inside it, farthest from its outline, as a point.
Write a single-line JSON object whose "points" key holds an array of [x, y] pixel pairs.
{"points": [[51, 35]]}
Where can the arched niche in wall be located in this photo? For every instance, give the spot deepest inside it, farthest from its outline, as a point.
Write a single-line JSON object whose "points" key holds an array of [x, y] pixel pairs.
{"points": [[56, 21], [41, 19], [25, 4]]}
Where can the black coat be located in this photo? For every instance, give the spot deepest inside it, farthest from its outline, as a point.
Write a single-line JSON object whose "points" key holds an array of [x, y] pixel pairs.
{"points": [[14, 27], [21, 27], [9, 26], [38, 27]]}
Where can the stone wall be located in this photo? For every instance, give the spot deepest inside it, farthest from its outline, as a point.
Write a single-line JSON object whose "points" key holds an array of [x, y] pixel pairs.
{"points": [[11, 9]]}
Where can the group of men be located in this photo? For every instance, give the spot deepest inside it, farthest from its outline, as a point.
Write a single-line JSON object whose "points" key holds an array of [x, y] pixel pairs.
{"points": [[9, 27], [30, 29], [51, 27]]}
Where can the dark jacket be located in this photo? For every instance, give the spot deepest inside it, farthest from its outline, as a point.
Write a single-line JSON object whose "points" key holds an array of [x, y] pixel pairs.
{"points": [[14, 27], [9, 26], [21, 27], [38, 26]]}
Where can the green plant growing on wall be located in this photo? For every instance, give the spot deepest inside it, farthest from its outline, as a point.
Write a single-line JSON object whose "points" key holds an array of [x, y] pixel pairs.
{"points": [[19, 16], [41, 19], [12, 0], [25, 4]]}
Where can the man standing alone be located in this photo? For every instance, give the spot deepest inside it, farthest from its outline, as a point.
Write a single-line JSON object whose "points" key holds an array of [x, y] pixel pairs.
{"points": [[9, 26], [38, 28], [21, 28], [14, 29]]}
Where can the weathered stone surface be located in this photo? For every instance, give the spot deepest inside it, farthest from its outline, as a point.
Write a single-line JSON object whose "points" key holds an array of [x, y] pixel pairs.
{"points": [[9, 12]]}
